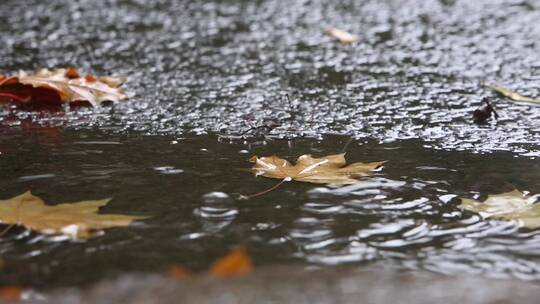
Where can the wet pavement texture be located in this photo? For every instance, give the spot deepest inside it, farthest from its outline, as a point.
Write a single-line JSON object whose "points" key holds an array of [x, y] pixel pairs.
{"points": [[206, 77], [225, 66]]}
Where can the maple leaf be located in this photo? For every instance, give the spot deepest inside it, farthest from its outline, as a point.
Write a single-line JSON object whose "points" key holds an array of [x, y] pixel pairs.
{"points": [[59, 86], [329, 169], [510, 94], [236, 263], [342, 36], [514, 206], [77, 220]]}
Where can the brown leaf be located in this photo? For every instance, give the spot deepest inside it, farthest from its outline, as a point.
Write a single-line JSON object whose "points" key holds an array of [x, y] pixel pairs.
{"points": [[514, 206], [60, 86], [236, 263], [329, 169], [342, 36], [77, 220], [10, 293], [178, 272]]}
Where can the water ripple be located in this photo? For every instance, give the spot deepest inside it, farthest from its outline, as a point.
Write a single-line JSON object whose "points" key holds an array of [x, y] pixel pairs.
{"points": [[216, 211]]}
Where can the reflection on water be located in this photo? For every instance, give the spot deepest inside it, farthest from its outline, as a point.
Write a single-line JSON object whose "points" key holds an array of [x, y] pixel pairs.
{"points": [[216, 211], [405, 215]]}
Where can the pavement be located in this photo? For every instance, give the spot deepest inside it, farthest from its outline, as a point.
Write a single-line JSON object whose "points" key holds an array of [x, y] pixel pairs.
{"points": [[295, 284]]}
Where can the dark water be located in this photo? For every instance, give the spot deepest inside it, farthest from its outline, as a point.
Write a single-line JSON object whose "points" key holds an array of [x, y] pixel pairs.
{"points": [[404, 93]]}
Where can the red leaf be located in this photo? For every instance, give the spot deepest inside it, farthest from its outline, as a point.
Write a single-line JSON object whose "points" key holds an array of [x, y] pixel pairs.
{"points": [[56, 87], [236, 263]]}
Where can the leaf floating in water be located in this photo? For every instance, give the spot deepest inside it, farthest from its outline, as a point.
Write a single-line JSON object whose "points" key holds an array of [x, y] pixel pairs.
{"points": [[510, 94], [77, 220], [514, 206], [342, 36], [59, 86], [329, 169], [236, 263]]}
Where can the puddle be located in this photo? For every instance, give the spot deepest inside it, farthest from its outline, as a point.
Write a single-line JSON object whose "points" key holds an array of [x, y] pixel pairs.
{"points": [[208, 84], [405, 215]]}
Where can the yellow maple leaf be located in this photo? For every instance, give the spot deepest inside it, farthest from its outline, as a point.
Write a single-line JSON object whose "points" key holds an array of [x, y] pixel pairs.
{"points": [[329, 169], [77, 220], [514, 206]]}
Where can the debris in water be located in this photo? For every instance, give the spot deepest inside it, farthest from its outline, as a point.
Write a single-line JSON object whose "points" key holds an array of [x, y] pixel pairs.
{"points": [[330, 169], [514, 206], [342, 36], [483, 112], [78, 220]]}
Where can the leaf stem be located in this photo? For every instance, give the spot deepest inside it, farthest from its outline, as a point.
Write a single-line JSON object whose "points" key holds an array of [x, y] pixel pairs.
{"points": [[246, 197]]}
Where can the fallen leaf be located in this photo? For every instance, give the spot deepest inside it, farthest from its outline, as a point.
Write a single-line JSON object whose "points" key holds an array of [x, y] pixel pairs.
{"points": [[10, 293], [59, 86], [514, 206], [340, 35], [510, 94], [77, 220], [329, 169], [178, 272], [236, 263]]}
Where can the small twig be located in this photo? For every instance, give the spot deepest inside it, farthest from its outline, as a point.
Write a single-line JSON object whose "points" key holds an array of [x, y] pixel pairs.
{"points": [[246, 197], [347, 145], [289, 100], [250, 129], [491, 107], [268, 127]]}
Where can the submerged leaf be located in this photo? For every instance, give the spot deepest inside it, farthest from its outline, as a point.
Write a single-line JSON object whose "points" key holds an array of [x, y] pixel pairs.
{"points": [[236, 263], [179, 272], [55, 87], [342, 36], [10, 293], [514, 206], [510, 94], [329, 169], [77, 220]]}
